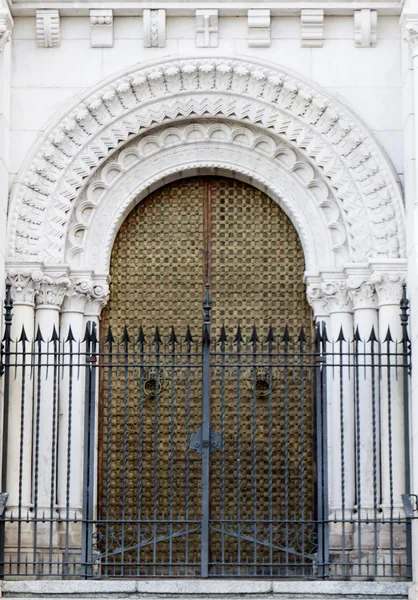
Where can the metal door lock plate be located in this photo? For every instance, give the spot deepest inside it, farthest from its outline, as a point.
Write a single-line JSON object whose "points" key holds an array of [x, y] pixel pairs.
{"points": [[214, 441]]}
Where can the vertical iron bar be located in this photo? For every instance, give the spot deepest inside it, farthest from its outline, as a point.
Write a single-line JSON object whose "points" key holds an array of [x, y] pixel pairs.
{"points": [[356, 341], [406, 355], [239, 340], [23, 339], [286, 339], [125, 340], [270, 340], [372, 341], [158, 341], [254, 340], [302, 341], [388, 340], [110, 341], [89, 435], [172, 342], [319, 457], [188, 340], [223, 340], [205, 431], [341, 340], [55, 341], [39, 340], [141, 341], [70, 339], [5, 369], [324, 340]]}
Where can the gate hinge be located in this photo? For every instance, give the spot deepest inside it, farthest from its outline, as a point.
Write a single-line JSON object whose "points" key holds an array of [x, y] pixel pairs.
{"points": [[410, 505], [214, 442]]}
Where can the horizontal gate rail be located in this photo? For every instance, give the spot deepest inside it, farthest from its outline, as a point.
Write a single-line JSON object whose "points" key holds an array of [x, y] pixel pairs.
{"points": [[221, 453]]}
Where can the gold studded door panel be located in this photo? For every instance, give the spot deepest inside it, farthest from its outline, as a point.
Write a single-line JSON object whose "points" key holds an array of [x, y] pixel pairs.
{"points": [[236, 238]]}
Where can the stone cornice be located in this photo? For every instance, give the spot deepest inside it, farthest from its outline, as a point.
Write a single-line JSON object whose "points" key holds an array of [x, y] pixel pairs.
{"points": [[225, 7]]}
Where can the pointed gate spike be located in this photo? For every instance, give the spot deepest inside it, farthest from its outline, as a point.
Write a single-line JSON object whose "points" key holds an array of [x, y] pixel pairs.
{"points": [[341, 337], [94, 333], [357, 337], [70, 336], [372, 337], [87, 336], [157, 337], [141, 336], [286, 335], [302, 337], [172, 339], [125, 336], [188, 337], [238, 336], [109, 337], [223, 337], [254, 337], [388, 337], [23, 336], [55, 336], [317, 338], [270, 335], [38, 336]]}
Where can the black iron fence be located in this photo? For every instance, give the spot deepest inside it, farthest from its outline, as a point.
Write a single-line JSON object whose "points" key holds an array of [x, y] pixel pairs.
{"points": [[259, 453]]}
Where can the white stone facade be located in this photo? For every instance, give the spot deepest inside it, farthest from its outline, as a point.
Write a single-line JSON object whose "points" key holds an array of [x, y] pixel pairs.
{"points": [[313, 103]]}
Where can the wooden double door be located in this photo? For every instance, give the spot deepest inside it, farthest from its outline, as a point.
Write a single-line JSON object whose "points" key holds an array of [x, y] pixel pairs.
{"points": [[234, 237]]}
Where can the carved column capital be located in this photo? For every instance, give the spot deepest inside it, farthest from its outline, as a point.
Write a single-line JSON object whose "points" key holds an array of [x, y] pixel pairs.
{"points": [[23, 281], [316, 297], [98, 296], [6, 26], [410, 33], [388, 287], [51, 289], [337, 295], [362, 293]]}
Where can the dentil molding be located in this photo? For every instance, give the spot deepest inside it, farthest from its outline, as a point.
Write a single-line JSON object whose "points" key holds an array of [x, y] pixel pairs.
{"points": [[312, 122]]}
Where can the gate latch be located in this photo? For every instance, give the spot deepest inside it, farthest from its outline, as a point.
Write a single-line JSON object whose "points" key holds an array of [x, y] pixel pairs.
{"points": [[214, 441]]}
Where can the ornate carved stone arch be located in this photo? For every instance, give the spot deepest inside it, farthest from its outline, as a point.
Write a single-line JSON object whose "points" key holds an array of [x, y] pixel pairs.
{"points": [[316, 126]]}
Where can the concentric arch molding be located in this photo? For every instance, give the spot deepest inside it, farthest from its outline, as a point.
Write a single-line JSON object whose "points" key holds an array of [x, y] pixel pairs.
{"points": [[259, 95], [198, 148]]}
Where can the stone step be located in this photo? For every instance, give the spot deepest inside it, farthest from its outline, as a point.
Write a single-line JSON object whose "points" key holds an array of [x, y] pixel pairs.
{"points": [[197, 589]]}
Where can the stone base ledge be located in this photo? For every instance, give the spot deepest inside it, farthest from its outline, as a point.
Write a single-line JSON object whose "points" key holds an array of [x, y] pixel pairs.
{"points": [[225, 589]]}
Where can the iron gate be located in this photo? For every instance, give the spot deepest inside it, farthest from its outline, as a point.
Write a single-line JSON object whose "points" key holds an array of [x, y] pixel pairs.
{"points": [[219, 469]]}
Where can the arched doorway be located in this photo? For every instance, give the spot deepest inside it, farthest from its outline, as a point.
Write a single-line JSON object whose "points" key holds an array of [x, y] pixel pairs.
{"points": [[260, 483]]}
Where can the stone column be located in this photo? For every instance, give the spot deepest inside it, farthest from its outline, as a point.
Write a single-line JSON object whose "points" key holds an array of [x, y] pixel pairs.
{"points": [[340, 397], [71, 413], [19, 456], [97, 300], [366, 391], [389, 292], [48, 299]]}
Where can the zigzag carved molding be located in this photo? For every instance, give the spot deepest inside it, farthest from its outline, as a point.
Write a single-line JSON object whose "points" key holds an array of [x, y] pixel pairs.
{"points": [[314, 123]]}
